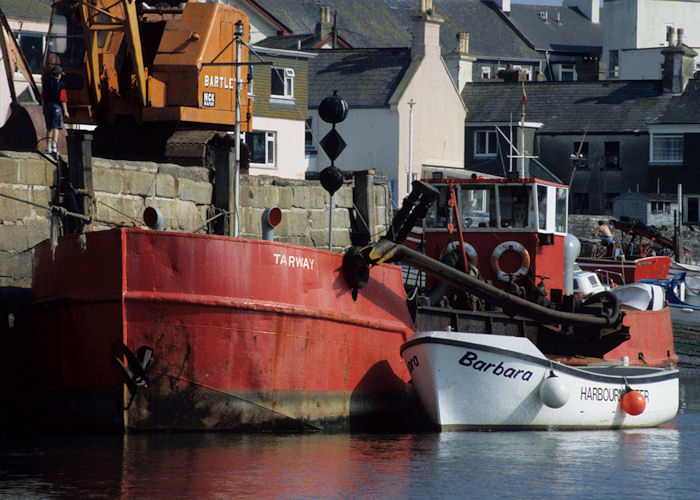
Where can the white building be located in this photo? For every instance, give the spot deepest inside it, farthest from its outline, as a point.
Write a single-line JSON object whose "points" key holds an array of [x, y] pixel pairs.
{"points": [[406, 116], [29, 22], [634, 31]]}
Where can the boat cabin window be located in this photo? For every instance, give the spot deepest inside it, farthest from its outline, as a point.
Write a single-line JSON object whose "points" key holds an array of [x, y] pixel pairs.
{"points": [[542, 208], [476, 207], [517, 207], [440, 213], [562, 212]]}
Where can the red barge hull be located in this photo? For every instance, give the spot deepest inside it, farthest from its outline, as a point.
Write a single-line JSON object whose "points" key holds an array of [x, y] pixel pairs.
{"points": [[246, 335]]}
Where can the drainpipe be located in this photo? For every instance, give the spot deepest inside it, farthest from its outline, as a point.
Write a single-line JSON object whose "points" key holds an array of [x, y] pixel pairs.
{"points": [[411, 103]]}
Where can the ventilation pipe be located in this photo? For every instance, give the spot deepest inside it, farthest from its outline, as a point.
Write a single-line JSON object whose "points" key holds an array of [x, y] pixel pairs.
{"points": [[271, 218], [153, 218], [572, 249]]}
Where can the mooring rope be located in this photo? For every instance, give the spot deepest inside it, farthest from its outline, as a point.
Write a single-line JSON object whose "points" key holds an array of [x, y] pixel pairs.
{"points": [[60, 211], [307, 424]]}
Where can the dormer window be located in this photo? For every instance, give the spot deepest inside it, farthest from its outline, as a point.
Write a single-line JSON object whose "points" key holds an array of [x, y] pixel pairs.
{"points": [[282, 83]]}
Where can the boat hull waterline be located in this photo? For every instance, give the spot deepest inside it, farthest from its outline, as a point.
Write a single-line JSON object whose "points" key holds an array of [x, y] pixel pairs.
{"points": [[474, 381], [245, 335]]}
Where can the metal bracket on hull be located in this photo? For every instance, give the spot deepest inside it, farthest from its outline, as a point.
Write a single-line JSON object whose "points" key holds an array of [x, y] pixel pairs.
{"points": [[134, 370]]}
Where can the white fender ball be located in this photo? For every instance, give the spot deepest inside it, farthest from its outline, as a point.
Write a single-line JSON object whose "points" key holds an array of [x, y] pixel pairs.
{"points": [[553, 392]]}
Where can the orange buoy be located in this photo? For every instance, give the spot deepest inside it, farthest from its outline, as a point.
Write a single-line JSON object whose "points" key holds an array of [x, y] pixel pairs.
{"points": [[633, 403]]}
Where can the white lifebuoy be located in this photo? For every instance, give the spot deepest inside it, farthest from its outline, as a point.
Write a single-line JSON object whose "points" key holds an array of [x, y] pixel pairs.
{"points": [[470, 251], [524, 260]]}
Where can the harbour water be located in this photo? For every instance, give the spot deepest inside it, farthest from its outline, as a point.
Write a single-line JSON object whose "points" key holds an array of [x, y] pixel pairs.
{"points": [[662, 462]]}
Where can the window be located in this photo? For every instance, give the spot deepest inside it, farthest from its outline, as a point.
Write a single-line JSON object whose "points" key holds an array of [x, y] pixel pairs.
{"points": [[526, 69], [581, 203], [666, 148], [580, 150], [562, 217], [309, 136], [475, 205], [612, 155], [516, 204], [660, 207], [282, 82], [262, 148], [542, 207], [613, 64], [485, 72], [484, 143], [32, 45], [251, 80], [607, 201], [567, 73], [692, 211]]}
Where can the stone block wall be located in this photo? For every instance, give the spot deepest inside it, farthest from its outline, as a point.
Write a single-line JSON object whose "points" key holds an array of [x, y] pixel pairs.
{"points": [[123, 189], [583, 226], [25, 192]]}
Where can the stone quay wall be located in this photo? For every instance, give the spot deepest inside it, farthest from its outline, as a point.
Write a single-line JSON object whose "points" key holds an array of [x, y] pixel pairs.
{"points": [[123, 189], [583, 226]]}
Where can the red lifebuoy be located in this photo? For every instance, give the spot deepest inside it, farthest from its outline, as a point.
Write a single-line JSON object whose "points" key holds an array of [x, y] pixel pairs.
{"points": [[469, 250], [524, 260]]}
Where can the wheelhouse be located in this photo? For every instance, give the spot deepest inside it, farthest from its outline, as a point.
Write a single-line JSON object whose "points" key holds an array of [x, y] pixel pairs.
{"points": [[511, 230]]}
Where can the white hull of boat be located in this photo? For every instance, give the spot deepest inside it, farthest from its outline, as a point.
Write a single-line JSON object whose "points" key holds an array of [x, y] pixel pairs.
{"points": [[479, 381]]}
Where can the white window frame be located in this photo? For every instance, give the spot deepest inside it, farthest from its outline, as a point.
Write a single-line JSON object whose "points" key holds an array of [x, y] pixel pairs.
{"points": [[655, 139], [486, 72], [526, 69], [22, 34], [287, 84], [487, 153], [270, 150], [567, 68]]}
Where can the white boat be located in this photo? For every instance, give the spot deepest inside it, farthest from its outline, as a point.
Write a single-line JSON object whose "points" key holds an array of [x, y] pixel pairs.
{"points": [[470, 381], [641, 296], [683, 298]]}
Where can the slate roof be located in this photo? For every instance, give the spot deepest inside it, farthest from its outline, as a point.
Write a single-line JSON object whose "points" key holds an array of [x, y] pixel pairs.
{"points": [[36, 10], [290, 42], [672, 197], [363, 77], [569, 107], [683, 109], [565, 29], [375, 23]]}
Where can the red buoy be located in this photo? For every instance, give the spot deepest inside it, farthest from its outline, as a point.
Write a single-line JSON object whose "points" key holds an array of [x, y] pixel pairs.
{"points": [[633, 403]]}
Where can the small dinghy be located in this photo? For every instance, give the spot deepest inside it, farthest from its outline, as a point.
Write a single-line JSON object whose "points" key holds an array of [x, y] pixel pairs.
{"points": [[486, 382]]}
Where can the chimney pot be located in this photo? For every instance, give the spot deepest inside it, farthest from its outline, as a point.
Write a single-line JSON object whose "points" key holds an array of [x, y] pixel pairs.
{"points": [[671, 36], [680, 36], [463, 43]]}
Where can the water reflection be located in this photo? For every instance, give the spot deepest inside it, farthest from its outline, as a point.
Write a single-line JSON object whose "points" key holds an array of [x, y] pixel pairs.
{"points": [[598, 464]]}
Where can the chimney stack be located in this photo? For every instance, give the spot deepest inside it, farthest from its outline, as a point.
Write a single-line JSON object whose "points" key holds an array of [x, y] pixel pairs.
{"points": [[589, 8], [679, 63], [511, 75], [503, 4], [426, 32], [324, 26], [590, 69], [671, 36], [463, 43], [460, 63]]}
